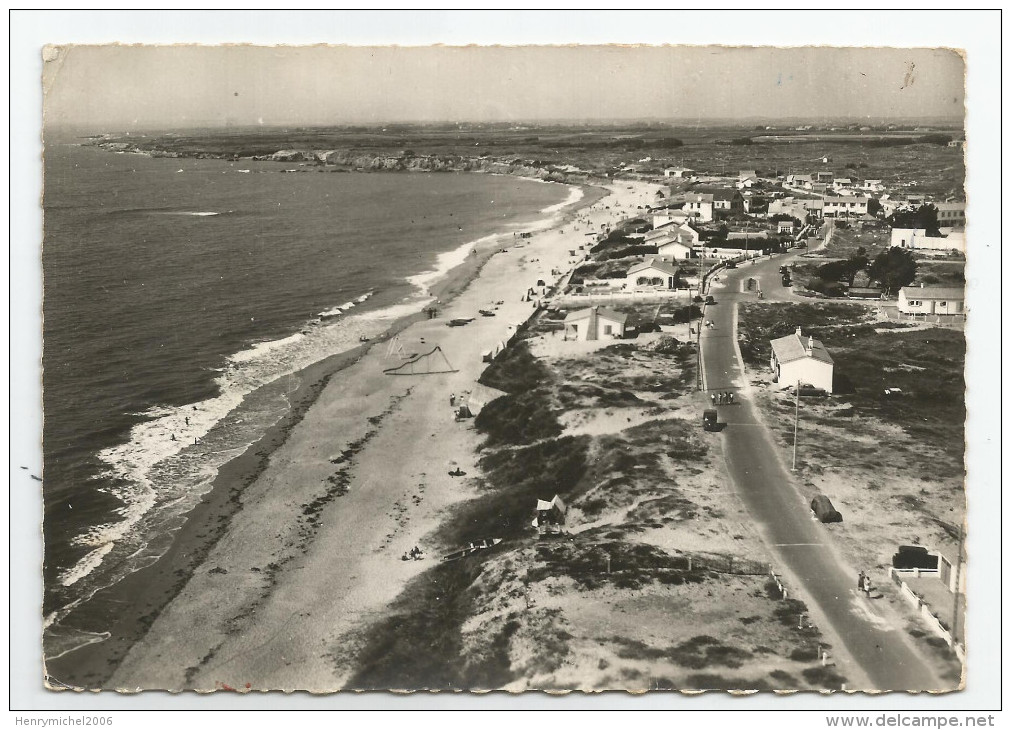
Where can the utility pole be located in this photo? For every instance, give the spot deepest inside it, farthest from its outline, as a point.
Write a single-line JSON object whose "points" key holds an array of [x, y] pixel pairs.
{"points": [[796, 420]]}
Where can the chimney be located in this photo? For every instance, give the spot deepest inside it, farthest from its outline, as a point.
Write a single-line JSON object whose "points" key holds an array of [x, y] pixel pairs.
{"points": [[798, 332]]}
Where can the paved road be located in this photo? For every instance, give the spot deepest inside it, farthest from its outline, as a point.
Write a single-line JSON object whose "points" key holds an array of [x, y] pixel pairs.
{"points": [[799, 543]]}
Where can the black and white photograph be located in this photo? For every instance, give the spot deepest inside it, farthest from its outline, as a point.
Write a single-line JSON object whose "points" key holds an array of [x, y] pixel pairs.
{"points": [[531, 368]]}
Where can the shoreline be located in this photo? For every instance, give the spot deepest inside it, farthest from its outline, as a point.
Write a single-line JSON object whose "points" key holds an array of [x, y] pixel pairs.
{"points": [[151, 589]]}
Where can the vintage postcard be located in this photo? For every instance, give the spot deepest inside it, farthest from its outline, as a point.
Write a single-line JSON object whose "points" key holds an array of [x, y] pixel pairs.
{"points": [[520, 368]]}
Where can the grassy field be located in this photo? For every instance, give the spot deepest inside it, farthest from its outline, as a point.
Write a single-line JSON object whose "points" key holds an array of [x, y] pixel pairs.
{"points": [[660, 580], [892, 464], [931, 270]]}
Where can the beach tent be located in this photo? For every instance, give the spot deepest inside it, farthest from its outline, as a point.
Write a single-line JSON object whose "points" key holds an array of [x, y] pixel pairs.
{"points": [[550, 513], [482, 395]]}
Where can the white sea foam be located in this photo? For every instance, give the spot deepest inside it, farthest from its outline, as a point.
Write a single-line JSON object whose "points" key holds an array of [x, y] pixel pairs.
{"points": [[157, 478], [447, 261], [575, 195]]}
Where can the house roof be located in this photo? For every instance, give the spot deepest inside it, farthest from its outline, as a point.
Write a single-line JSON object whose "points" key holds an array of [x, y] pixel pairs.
{"points": [[698, 198], [847, 199], [794, 347], [661, 266], [670, 213], [672, 241], [725, 194], [933, 292], [950, 206], [601, 312]]}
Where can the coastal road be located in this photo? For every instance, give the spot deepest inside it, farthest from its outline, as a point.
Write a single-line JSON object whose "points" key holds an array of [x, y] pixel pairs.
{"points": [[872, 635]]}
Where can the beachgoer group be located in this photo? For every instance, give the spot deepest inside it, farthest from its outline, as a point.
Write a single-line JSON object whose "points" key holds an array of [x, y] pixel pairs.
{"points": [[722, 399], [413, 554], [864, 584]]}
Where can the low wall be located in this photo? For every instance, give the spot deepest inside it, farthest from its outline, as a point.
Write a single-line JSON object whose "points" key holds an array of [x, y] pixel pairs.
{"points": [[621, 297], [921, 606]]}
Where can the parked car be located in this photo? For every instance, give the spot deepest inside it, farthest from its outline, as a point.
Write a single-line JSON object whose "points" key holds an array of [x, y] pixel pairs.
{"points": [[824, 510], [710, 300], [709, 419]]}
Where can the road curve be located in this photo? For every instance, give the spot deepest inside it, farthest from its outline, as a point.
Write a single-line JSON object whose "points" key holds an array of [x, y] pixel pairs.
{"points": [[799, 543]]}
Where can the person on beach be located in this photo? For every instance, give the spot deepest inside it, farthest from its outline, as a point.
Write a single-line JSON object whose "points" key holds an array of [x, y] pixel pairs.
{"points": [[860, 581], [712, 397], [452, 399], [187, 419]]}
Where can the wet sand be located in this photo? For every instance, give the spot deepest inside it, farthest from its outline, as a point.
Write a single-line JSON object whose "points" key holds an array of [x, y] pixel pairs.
{"points": [[290, 552]]}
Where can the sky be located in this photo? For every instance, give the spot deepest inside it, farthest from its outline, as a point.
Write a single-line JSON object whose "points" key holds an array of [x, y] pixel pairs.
{"points": [[121, 87]]}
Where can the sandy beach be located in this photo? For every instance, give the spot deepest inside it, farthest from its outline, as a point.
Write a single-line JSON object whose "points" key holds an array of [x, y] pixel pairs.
{"points": [[312, 552]]}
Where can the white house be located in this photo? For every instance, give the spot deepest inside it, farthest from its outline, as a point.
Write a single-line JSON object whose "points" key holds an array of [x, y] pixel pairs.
{"points": [[931, 300], [798, 359], [700, 205], [845, 207], [674, 249], [678, 172], [659, 232], [747, 179], [874, 186], [800, 181], [950, 214], [784, 227], [594, 323], [917, 238], [841, 182], [652, 273], [667, 216], [728, 199]]}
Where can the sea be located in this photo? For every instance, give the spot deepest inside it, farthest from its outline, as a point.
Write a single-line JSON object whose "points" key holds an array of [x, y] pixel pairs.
{"points": [[174, 288]]}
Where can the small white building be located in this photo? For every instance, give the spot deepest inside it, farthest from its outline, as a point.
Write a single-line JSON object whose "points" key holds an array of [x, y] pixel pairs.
{"points": [[678, 172], [674, 249], [652, 273], [917, 238], [798, 359], [594, 323], [931, 300], [669, 216], [784, 226]]}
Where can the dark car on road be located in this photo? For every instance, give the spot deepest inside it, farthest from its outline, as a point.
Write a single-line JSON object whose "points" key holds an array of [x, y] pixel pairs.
{"points": [[709, 419]]}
